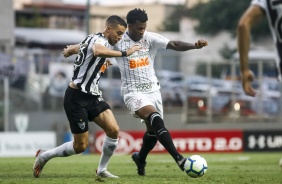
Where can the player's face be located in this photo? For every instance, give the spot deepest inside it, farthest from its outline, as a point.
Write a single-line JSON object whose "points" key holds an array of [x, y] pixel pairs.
{"points": [[136, 31], [115, 34]]}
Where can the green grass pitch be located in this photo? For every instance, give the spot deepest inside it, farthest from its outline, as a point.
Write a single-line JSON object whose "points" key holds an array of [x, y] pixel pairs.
{"points": [[245, 168]]}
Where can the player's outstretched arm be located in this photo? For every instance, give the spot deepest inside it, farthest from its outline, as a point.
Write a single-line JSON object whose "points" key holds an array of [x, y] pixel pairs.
{"points": [[102, 51], [252, 15], [70, 50], [184, 46]]}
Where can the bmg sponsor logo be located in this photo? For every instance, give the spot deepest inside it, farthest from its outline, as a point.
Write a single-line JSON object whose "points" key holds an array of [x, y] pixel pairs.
{"points": [[137, 63]]}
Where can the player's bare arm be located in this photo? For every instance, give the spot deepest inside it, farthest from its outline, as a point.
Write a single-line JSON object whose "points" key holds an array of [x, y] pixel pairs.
{"points": [[102, 51], [248, 19], [184, 46], [70, 50]]}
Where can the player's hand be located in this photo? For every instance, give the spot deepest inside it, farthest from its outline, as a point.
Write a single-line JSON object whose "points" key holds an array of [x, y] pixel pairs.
{"points": [[134, 48], [70, 50], [108, 63], [247, 78], [66, 51], [201, 43]]}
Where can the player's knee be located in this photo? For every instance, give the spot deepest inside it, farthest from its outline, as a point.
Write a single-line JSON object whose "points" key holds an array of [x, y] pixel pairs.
{"points": [[155, 118], [80, 147], [151, 133], [112, 132]]}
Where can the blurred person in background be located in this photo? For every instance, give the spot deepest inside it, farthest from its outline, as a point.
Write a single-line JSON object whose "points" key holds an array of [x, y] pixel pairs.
{"points": [[58, 84], [259, 9], [140, 87], [57, 88], [83, 100]]}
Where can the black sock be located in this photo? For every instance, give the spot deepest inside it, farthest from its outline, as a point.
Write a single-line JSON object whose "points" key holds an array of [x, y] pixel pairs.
{"points": [[163, 135], [149, 142]]}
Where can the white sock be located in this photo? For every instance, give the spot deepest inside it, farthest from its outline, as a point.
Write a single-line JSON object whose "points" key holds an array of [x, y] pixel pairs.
{"points": [[63, 150], [109, 146]]}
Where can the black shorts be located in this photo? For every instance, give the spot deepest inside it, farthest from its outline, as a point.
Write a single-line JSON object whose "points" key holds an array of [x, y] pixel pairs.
{"points": [[81, 108]]}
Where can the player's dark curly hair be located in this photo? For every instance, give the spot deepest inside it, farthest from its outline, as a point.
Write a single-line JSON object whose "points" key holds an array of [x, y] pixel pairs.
{"points": [[116, 20], [136, 14]]}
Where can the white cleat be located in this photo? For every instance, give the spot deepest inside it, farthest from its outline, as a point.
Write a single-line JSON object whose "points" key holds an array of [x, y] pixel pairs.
{"points": [[106, 174], [38, 164]]}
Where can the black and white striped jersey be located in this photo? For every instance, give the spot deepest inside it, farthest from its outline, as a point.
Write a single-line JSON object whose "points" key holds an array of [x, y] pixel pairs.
{"points": [[87, 67], [273, 11]]}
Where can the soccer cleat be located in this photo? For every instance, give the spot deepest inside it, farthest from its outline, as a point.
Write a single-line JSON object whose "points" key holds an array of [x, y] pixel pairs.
{"points": [[38, 164], [181, 163], [140, 166], [106, 174]]}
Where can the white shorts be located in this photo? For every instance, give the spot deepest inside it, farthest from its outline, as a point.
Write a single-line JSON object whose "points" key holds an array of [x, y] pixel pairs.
{"points": [[135, 101]]}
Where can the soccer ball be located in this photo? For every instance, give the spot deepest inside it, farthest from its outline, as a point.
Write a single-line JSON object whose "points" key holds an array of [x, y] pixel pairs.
{"points": [[195, 166]]}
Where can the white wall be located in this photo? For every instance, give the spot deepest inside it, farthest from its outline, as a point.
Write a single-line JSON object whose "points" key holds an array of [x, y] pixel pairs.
{"points": [[6, 25]]}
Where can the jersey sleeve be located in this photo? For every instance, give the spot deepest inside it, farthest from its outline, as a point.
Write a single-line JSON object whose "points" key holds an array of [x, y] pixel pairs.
{"points": [[102, 41], [260, 3], [158, 41]]}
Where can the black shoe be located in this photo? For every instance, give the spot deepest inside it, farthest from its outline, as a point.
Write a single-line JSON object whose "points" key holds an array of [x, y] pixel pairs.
{"points": [[140, 166], [181, 163]]}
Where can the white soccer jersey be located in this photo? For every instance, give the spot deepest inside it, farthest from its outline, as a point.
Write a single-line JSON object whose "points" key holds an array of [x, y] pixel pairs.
{"points": [[137, 70], [273, 11], [87, 67]]}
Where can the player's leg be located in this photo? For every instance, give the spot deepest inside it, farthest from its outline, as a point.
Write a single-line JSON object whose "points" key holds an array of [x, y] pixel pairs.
{"points": [[67, 149], [149, 142], [149, 138], [155, 122], [108, 123], [133, 103], [78, 121], [78, 145], [149, 108]]}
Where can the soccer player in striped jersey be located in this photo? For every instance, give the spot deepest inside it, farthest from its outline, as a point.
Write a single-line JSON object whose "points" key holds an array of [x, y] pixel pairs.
{"points": [[83, 100], [140, 86], [272, 10]]}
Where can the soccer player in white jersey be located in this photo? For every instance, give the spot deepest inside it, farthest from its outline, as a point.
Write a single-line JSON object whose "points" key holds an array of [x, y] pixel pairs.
{"points": [[272, 10], [140, 86], [83, 101]]}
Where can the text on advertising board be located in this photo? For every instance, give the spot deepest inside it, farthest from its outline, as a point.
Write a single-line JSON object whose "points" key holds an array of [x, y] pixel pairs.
{"points": [[185, 141]]}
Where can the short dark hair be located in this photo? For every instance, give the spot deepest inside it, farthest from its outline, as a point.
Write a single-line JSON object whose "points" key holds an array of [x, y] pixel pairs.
{"points": [[116, 20], [136, 14]]}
